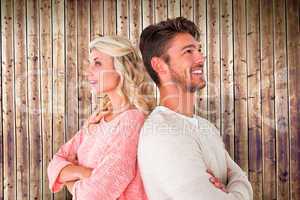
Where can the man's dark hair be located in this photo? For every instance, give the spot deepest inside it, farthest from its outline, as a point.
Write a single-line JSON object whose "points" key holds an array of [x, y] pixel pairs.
{"points": [[155, 38]]}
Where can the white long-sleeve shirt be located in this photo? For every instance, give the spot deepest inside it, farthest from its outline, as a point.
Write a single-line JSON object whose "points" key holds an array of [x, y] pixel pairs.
{"points": [[174, 153]]}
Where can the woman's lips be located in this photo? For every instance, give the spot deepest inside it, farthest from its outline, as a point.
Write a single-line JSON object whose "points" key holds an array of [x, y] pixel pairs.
{"points": [[93, 82]]}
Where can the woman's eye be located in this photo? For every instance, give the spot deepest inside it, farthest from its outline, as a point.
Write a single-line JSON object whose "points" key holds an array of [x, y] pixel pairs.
{"points": [[98, 63]]}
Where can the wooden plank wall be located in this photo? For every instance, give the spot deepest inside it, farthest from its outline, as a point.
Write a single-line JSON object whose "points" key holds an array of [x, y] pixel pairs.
{"points": [[252, 95]]}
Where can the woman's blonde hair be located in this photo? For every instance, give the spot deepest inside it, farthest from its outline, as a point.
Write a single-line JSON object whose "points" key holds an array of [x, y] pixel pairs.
{"points": [[135, 84]]}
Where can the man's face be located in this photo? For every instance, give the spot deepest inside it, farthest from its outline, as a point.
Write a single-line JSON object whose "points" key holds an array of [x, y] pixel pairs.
{"points": [[186, 62]]}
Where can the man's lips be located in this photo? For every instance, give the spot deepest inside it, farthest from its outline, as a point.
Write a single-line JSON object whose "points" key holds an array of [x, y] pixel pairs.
{"points": [[197, 70]]}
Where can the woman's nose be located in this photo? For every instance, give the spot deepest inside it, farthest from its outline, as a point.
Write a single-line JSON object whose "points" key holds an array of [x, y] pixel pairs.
{"points": [[88, 71]]}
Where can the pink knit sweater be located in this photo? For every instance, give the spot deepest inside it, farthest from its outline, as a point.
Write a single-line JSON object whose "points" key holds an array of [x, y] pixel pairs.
{"points": [[111, 151]]}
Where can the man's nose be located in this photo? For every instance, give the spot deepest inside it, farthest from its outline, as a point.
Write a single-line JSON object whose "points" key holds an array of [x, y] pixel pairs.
{"points": [[200, 58]]}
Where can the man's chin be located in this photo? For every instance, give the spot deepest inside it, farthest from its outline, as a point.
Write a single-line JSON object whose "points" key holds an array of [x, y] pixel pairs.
{"points": [[194, 87]]}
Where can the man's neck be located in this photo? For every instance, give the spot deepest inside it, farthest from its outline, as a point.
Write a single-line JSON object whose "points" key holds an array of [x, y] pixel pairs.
{"points": [[178, 100]]}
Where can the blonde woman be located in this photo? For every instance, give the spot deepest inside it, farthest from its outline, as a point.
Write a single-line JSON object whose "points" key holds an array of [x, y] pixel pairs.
{"points": [[100, 161]]}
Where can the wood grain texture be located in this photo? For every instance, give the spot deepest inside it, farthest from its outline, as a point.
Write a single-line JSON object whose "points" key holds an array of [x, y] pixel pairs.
{"points": [[8, 98], [110, 21], [240, 85], [187, 10], [293, 56], [281, 101], [71, 90], [200, 19], [226, 76], [123, 18], [21, 100], [267, 100], [34, 108], [58, 81], [83, 32], [174, 8], [254, 98], [252, 92], [45, 40], [213, 56], [135, 22]]}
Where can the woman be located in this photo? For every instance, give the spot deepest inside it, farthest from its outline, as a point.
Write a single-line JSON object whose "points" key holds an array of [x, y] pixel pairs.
{"points": [[99, 162]]}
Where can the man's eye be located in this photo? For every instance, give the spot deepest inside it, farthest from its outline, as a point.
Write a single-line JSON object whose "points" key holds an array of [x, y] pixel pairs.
{"points": [[188, 51], [98, 63]]}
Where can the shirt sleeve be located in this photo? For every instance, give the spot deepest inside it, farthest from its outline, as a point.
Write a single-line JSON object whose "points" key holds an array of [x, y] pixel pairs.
{"points": [[172, 167], [66, 155], [238, 183], [114, 173]]}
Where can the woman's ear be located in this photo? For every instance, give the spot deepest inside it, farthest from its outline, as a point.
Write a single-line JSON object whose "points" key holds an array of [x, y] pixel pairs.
{"points": [[159, 66]]}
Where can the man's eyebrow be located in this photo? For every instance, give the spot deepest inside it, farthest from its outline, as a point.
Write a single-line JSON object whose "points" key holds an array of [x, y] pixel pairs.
{"points": [[190, 46]]}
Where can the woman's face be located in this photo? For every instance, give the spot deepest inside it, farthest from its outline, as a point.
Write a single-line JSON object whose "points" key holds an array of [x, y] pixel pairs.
{"points": [[102, 76]]}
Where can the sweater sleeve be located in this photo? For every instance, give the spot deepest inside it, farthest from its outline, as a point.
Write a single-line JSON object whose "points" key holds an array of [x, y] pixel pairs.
{"points": [[172, 167], [238, 183], [66, 155], [114, 173]]}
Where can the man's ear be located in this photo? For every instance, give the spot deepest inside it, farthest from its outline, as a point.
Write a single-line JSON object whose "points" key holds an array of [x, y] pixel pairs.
{"points": [[158, 65]]}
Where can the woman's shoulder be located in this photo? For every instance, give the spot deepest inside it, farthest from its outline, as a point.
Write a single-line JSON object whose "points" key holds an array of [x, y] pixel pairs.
{"points": [[133, 115]]}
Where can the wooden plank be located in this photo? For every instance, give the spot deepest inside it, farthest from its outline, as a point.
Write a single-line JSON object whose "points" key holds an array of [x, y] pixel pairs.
{"points": [[9, 157], [46, 90], [1, 118], [22, 148], [96, 30], [173, 8], [293, 49], [281, 101], [82, 59], [72, 124], [96, 18], [110, 21], [147, 13], [187, 9], [71, 69], [58, 50], [122, 18], [200, 20], [268, 100], [254, 98], [227, 93], [34, 127], [213, 54], [161, 10], [160, 14], [135, 21], [240, 85]]}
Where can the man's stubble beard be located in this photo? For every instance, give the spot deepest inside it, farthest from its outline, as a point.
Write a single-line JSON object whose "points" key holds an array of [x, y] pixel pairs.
{"points": [[181, 82]]}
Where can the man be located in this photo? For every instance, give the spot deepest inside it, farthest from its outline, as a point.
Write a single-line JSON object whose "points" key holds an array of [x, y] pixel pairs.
{"points": [[181, 156]]}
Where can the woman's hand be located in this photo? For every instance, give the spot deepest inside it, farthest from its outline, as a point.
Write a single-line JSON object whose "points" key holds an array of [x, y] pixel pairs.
{"points": [[216, 182], [74, 173], [70, 185]]}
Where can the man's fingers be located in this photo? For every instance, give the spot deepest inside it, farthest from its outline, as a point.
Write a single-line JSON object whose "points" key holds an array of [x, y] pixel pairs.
{"points": [[210, 172]]}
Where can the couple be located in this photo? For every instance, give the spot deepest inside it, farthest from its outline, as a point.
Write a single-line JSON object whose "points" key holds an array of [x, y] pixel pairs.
{"points": [[129, 145]]}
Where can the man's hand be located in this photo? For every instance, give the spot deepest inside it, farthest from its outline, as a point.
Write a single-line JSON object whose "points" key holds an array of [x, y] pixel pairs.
{"points": [[216, 182]]}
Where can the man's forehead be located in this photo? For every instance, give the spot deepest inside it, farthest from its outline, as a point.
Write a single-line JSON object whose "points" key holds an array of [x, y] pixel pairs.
{"points": [[182, 40]]}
